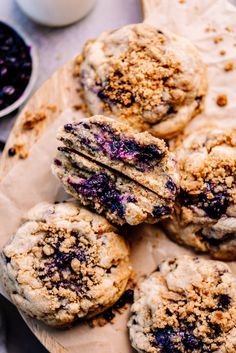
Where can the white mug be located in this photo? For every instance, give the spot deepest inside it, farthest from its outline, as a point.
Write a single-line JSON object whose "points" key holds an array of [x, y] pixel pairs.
{"points": [[55, 12]]}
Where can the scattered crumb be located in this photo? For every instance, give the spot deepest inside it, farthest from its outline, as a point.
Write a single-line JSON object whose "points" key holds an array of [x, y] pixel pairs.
{"points": [[23, 154], [18, 149], [32, 119], [229, 66], [222, 100], [229, 29], [218, 39], [222, 52], [210, 29], [76, 70], [77, 106], [182, 1], [52, 108]]}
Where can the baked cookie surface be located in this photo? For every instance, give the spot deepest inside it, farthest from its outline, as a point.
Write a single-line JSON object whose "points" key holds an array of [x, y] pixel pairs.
{"points": [[187, 306], [65, 263], [130, 177], [205, 213], [151, 79]]}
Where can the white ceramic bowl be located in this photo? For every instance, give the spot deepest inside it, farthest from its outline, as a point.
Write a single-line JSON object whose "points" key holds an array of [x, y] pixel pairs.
{"points": [[55, 12], [29, 87]]}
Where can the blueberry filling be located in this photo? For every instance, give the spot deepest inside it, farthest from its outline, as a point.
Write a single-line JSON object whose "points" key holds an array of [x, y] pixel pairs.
{"points": [[171, 186], [144, 157], [111, 94], [68, 127], [15, 65], [159, 211], [126, 298], [59, 263], [57, 162], [224, 301], [170, 340], [214, 206], [101, 188]]}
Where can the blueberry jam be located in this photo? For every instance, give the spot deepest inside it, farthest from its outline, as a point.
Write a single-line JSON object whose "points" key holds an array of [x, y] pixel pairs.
{"points": [[15, 65], [170, 340], [101, 188], [224, 301], [214, 206], [117, 147], [59, 263], [159, 211]]}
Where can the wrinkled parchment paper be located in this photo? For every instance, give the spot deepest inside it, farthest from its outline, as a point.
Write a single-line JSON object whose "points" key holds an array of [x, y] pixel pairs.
{"points": [[31, 182]]}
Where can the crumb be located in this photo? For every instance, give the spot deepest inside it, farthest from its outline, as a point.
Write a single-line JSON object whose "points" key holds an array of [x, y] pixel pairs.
{"points": [[32, 119], [18, 149], [23, 154], [182, 1], [218, 39], [52, 108], [222, 52], [229, 66], [222, 100], [77, 106], [229, 29], [210, 29], [76, 70]]}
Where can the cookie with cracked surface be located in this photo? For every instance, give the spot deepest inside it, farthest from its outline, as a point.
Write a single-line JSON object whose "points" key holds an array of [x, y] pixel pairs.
{"points": [[205, 212], [187, 306], [119, 198], [65, 263], [154, 80]]}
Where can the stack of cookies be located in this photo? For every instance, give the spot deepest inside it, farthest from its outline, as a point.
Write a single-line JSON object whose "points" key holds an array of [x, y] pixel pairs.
{"points": [[70, 260]]}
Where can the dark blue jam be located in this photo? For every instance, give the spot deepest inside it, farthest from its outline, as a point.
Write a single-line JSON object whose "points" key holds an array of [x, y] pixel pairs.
{"points": [[15, 65], [60, 262], [159, 211], [213, 203], [99, 187], [170, 340], [144, 157]]}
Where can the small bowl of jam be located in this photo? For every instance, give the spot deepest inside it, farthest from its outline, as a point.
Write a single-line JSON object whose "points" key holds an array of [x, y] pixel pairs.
{"points": [[18, 63]]}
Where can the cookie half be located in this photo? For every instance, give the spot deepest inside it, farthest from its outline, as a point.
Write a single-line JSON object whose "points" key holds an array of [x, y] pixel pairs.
{"points": [[187, 306], [153, 80], [118, 197], [140, 156], [64, 263], [205, 212]]}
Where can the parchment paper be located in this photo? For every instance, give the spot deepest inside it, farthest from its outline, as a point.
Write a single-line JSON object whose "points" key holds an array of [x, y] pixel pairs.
{"points": [[32, 182]]}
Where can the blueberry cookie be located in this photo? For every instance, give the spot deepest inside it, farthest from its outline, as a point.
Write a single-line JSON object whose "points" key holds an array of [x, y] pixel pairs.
{"points": [[119, 198], [187, 306], [205, 214], [65, 263], [154, 80], [129, 176]]}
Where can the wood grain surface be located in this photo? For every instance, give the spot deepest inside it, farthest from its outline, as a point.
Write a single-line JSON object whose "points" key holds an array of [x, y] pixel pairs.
{"points": [[57, 93]]}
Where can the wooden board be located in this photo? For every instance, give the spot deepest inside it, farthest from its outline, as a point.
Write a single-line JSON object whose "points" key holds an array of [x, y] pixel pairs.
{"points": [[57, 93]]}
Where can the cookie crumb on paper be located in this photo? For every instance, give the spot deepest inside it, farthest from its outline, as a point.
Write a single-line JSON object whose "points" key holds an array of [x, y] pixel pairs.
{"points": [[222, 100]]}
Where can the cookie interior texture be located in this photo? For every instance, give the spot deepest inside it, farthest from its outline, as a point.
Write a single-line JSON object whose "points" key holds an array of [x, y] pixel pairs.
{"points": [[65, 263], [205, 212], [121, 199], [130, 177], [153, 80], [187, 306]]}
